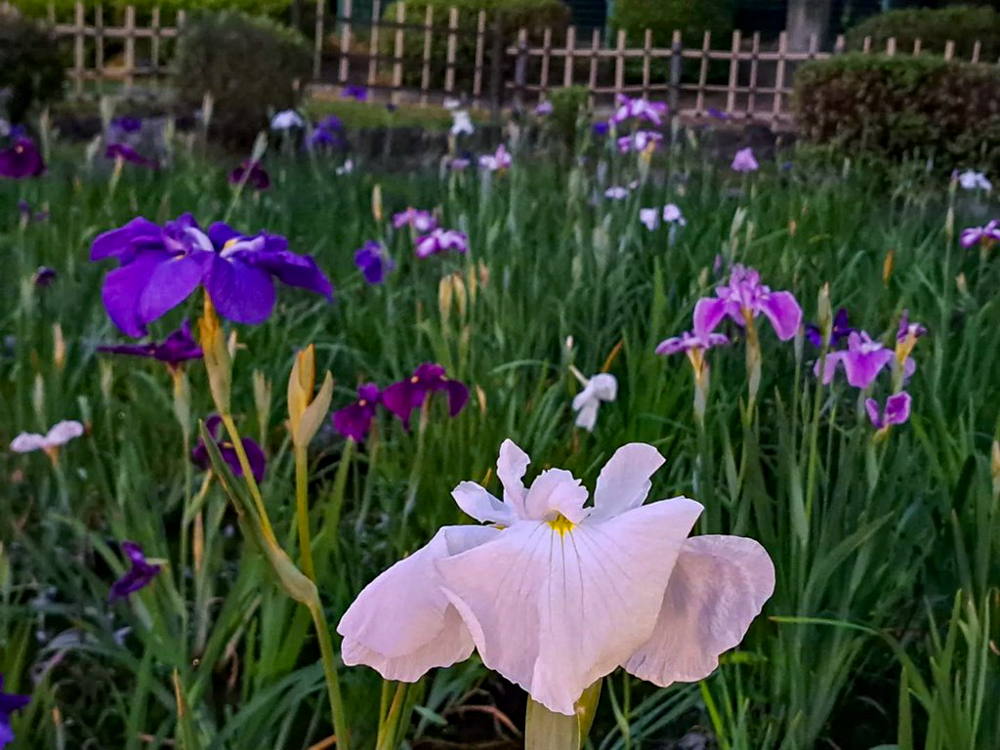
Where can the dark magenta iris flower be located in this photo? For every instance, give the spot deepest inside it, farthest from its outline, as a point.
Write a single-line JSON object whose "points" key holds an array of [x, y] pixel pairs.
{"points": [[9, 703], [744, 299], [44, 277], [896, 411], [841, 330], [125, 153], [159, 268], [140, 575], [357, 93], [255, 456], [373, 262], [355, 420], [252, 174], [21, 160], [174, 350], [404, 397]]}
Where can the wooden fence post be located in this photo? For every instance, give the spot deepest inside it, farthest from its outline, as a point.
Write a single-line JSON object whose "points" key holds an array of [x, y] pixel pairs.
{"points": [[78, 63], [345, 44], [706, 51], [734, 69], [397, 53], [449, 73], [477, 76], [779, 77], [976, 50], [154, 44], [949, 50], [570, 49], [647, 59], [543, 82], [129, 47], [373, 48], [620, 65], [676, 69], [318, 40], [425, 72], [520, 69], [754, 65], [99, 41], [497, 58], [595, 48]]}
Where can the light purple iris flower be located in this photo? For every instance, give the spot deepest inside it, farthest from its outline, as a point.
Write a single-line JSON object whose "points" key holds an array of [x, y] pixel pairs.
{"points": [[544, 109], [421, 221], [687, 342], [906, 328], [976, 235], [161, 266], [897, 410], [404, 397], [176, 349], [355, 420], [9, 703], [140, 575], [373, 262], [125, 153], [639, 141], [745, 161], [441, 240], [640, 109], [617, 193], [863, 360], [252, 174], [744, 299], [255, 455], [21, 160], [497, 161]]}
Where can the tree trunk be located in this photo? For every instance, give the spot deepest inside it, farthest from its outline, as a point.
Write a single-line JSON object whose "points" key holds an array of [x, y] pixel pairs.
{"points": [[805, 18]]}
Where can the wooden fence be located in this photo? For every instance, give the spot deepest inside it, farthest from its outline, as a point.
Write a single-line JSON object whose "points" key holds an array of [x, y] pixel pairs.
{"points": [[468, 55]]}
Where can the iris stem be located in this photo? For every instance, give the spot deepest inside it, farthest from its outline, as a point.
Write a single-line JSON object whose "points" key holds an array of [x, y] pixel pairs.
{"points": [[330, 671], [241, 454], [302, 511]]}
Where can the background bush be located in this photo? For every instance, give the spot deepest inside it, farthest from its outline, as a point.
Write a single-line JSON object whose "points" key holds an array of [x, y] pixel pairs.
{"points": [[31, 66], [250, 65], [903, 106], [65, 8], [663, 16], [962, 24]]}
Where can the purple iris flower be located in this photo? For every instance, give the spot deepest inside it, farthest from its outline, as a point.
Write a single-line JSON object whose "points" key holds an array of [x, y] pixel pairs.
{"points": [[687, 342], [140, 575], [639, 141], [252, 174], [601, 128], [841, 330], [44, 276], [331, 123], [357, 93], [177, 348], [745, 161], [373, 262], [716, 114], [124, 152], [255, 456], [355, 421], [744, 299], [906, 328], [863, 360], [28, 215], [9, 703], [976, 235], [543, 109], [897, 410], [421, 221], [161, 266], [404, 397], [441, 240], [21, 160], [640, 109], [127, 124]]}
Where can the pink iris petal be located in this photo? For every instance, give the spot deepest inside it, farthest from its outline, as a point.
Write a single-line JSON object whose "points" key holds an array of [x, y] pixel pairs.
{"points": [[782, 309], [708, 313]]}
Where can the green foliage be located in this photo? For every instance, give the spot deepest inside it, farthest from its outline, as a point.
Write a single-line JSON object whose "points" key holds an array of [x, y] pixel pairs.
{"points": [[251, 67], [902, 106], [962, 24], [65, 8], [31, 65], [664, 16], [568, 104]]}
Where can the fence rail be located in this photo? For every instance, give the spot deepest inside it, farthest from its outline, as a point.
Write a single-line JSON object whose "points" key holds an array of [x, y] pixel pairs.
{"points": [[469, 55]]}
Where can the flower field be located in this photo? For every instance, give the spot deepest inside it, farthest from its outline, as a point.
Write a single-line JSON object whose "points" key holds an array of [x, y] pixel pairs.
{"points": [[194, 511]]}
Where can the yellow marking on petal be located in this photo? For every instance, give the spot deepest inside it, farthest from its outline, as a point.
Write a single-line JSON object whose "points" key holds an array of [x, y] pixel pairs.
{"points": [[562, 524], [230, 243]]}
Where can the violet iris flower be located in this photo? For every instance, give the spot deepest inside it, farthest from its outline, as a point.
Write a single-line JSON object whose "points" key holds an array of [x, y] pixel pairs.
{"points": [[544, 108], [745, 161], [373, 262], [255, 456], [988, 234], [601, 128], [355, 420], [328, 133], [716, 114], [9, 703], [177, 348], [896, 411], [21, 160], [140, 575], [906, 328], [687, 342], [639, 141], [863, 360], [421, 221], [252, 174], [743, 300], [640, 109], [841, 330], [404, 397], [125, 153], [358, 93], [161, 266], [441, 240], [127, 124], [43, 277], [498, 161]]}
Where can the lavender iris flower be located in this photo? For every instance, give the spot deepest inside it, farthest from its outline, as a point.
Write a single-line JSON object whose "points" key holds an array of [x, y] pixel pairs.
{"points": [[357, 93], [21, 160], [9, 703], [355, 420], [497, 162], [43, 277], [840, 331], [973, 180], [617, 193], [252, 174], [897, 410], [255, 456], [544, 108], [404, 397], [688, 342], [140, 575], [177, 348], [743, 300], [639, 141], [906, 328], [639, 109], [328, 134], [745, 161], [987, 235], [161, 266], [125, 153], [441, 240], [863, 360], [373, 262], [421, 221]]}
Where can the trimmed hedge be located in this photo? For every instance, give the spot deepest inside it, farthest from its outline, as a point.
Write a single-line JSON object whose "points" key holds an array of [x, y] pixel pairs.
{"points": [[692, 17], [31, 65], [902, 107], [962, 24], [64, 8], [249, 64]]}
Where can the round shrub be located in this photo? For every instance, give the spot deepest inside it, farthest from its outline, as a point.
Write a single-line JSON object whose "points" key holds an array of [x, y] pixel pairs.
{"points": [[962, 24], [693, 19], [902, 107], [32, 70], [250, 65], [65, 8]]}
